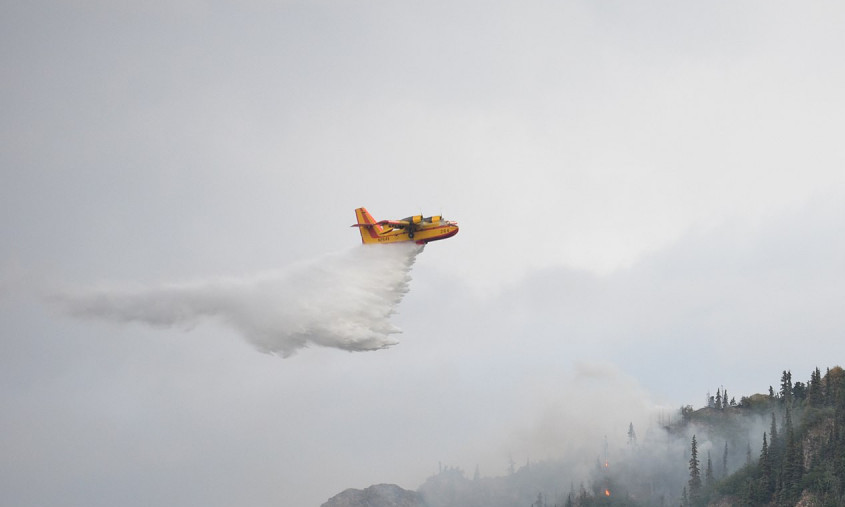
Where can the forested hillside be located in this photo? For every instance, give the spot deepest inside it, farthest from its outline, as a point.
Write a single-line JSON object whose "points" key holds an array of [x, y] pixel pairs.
{"points": [[802, 454], [799, 458], [782, 448]]}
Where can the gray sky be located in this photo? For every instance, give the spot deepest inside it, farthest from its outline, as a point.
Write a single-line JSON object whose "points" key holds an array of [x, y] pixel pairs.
{"points": [[649, 197]]}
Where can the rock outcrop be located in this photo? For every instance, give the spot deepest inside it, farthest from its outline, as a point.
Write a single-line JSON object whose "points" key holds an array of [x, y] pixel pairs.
{"points": [[380, 495]]}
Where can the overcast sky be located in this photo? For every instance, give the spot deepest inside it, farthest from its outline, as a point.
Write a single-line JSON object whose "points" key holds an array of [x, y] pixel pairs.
{"points": [[650, 199]]}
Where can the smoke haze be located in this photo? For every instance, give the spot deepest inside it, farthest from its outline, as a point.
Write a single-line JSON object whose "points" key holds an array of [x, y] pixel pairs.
{"points": [[597, 429], [342, 300], [655, 189]]}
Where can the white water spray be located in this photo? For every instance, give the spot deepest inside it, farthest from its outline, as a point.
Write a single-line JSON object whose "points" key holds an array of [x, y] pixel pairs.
{"points": [[341, 300]]}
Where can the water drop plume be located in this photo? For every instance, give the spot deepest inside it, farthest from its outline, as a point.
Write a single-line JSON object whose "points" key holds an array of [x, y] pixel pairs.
{"points": [[342, 300]]}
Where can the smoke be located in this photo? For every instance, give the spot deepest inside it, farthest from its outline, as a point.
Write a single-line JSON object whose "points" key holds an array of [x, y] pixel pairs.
{"points": [[595, 427], [342, 300]]}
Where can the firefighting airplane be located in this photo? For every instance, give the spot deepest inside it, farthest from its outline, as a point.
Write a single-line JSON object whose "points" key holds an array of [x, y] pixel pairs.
{"points": [[416, 228]]}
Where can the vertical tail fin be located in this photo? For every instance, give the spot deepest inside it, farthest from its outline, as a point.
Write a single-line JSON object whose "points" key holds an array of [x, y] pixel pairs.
{"points": [[367, 226]]}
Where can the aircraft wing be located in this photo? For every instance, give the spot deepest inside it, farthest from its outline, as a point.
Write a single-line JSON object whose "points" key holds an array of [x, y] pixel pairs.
{"points": [[394, 223]]}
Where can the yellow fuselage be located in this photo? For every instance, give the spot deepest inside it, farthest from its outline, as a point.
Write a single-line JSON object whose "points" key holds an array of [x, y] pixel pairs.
{"points": [[422, 235], [416, 228]]}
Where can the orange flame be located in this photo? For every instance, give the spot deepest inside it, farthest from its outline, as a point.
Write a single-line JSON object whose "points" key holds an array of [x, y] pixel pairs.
{"points": [[606, 492]]}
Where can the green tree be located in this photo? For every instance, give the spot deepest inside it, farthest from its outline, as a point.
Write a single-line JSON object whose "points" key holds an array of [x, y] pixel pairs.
{"points": [[774, 442], [632, 435], [815, 395], [792, 468], [748, 494], [694, 474], [799, 391], [786, 387], [765, 471], [709, 480]]}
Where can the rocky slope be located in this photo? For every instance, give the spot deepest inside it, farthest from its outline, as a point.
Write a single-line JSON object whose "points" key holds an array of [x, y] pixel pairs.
{"points": [[380, 495]]}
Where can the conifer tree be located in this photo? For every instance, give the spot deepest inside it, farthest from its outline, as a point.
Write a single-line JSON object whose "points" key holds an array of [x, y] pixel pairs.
{"points": [[799, 391], [774, 442], [793, 460], [632, 435], [694, 474], [828, 388], [815, 389], [786, 387], [709, 480], [748, 494], [765, 470]]}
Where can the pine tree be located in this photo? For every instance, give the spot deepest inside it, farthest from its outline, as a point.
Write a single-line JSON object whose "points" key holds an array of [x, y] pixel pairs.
{"points": [[815, 389], [786, 387], [765, 469], [828, 387], [718, 399], [774, 441], [799, 391], [709, 480], [748, 494], [793, 460], [632, 435], [694, 474]]}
